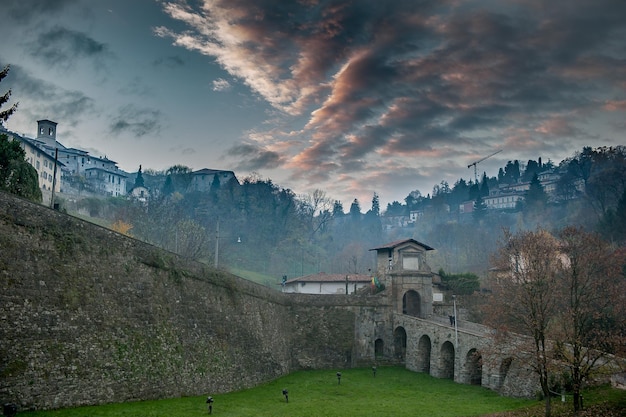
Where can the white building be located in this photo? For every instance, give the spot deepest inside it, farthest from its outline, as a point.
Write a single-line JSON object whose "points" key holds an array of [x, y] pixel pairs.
{"points": [[324, 283], [41, 160]]}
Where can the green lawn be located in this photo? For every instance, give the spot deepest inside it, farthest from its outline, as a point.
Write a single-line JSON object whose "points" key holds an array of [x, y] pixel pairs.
{"points": [[393, 392]]}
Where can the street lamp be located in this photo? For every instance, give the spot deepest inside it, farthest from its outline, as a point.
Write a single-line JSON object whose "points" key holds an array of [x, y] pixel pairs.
{"points": [[456, 329]]}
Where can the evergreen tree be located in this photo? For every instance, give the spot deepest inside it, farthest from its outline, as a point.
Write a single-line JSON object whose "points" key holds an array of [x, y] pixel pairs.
{"points": [[480, 209], [355, 210], [484, 186], [139, 178], [168, 187], [535, 197], [375, 205], [5, 114], [16, 175], [395, 209], [338, 209], [613, 223]]}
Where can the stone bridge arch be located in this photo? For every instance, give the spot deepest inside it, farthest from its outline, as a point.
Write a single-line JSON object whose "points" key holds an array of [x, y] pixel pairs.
{"points": [[424, 347], [399, 342], [446, 361], [473, 368]]}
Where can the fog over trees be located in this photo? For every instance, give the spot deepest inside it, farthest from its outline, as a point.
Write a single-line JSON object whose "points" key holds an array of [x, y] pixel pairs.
{"points": [[270, 230]]}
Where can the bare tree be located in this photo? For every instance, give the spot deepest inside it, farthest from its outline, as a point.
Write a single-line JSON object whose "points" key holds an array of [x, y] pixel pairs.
{"points": [[523, 294], [589, 322]]}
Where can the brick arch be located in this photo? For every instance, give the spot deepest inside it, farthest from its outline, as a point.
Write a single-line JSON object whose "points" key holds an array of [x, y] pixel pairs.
{"points": [[423, 354], [473, 368], [446, 360], [399, 343], [411, 303]]}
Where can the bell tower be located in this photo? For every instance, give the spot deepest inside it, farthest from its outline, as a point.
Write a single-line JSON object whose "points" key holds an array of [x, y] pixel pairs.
{"points": [[47, 132]]}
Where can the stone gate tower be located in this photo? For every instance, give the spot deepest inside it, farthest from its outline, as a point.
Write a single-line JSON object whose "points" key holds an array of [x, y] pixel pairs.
{"points": [[402, 267]]}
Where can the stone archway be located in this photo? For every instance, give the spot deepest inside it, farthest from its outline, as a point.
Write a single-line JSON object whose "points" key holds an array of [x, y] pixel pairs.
{"points": [[446, 361], [423, 354], [399, 343], [474, 367], [379, 348], [411, 303]]}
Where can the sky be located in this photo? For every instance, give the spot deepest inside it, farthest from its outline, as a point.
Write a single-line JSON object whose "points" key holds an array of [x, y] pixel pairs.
{"points": [[350, 97]]}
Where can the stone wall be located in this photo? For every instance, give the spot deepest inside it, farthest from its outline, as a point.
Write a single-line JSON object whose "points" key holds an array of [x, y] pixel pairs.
{"points": [[88, 316]]}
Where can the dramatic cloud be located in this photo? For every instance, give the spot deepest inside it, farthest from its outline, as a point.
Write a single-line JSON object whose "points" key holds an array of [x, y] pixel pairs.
{"points": [[137, 121], [26, 10], [62, 47], [255, 157], [403, 79], [44, 98]]}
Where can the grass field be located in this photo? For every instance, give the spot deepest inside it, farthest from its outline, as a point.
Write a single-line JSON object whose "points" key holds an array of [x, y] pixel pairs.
{"points": [[393, 392]]}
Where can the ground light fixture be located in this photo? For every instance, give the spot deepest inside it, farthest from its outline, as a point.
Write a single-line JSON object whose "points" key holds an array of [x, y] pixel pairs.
{"points": [[209, 402], [374, 371], [286, 394], [338, 378]]}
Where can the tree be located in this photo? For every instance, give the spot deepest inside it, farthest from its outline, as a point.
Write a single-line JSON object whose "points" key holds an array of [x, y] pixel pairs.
{"points": [[523, 294], [589, 322], [460, 284], [395, 208], [536, 196], [480, 209], [337, 209], [139, 178], [375, 205], [613, 224], [16, 175], [5, 114], [355, 210], [22, 180]]}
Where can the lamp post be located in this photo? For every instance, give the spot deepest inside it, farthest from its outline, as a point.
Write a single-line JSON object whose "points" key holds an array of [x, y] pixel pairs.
{"points": [[456, 329], [217, 243]]}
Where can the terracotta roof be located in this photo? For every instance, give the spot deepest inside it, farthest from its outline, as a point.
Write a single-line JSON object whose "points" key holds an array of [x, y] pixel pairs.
{"points": [[324, 277], [396, 243]]}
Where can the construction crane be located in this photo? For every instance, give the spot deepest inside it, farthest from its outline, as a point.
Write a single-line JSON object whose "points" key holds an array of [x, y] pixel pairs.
{"points": [[479, 161]]}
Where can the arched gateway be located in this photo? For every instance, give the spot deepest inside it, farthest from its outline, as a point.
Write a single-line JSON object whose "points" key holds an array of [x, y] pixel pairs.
{"points": [[421, 328]]}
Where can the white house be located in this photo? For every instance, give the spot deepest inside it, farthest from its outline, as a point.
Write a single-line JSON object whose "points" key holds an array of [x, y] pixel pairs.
{"points": [[323, 283], [42, 161]]}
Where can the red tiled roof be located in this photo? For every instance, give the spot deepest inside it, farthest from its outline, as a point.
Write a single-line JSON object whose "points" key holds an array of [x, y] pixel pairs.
{"points": [[324, 277]]}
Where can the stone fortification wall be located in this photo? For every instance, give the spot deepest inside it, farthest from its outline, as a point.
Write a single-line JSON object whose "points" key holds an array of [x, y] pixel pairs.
{"points": [[88, 316]]}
